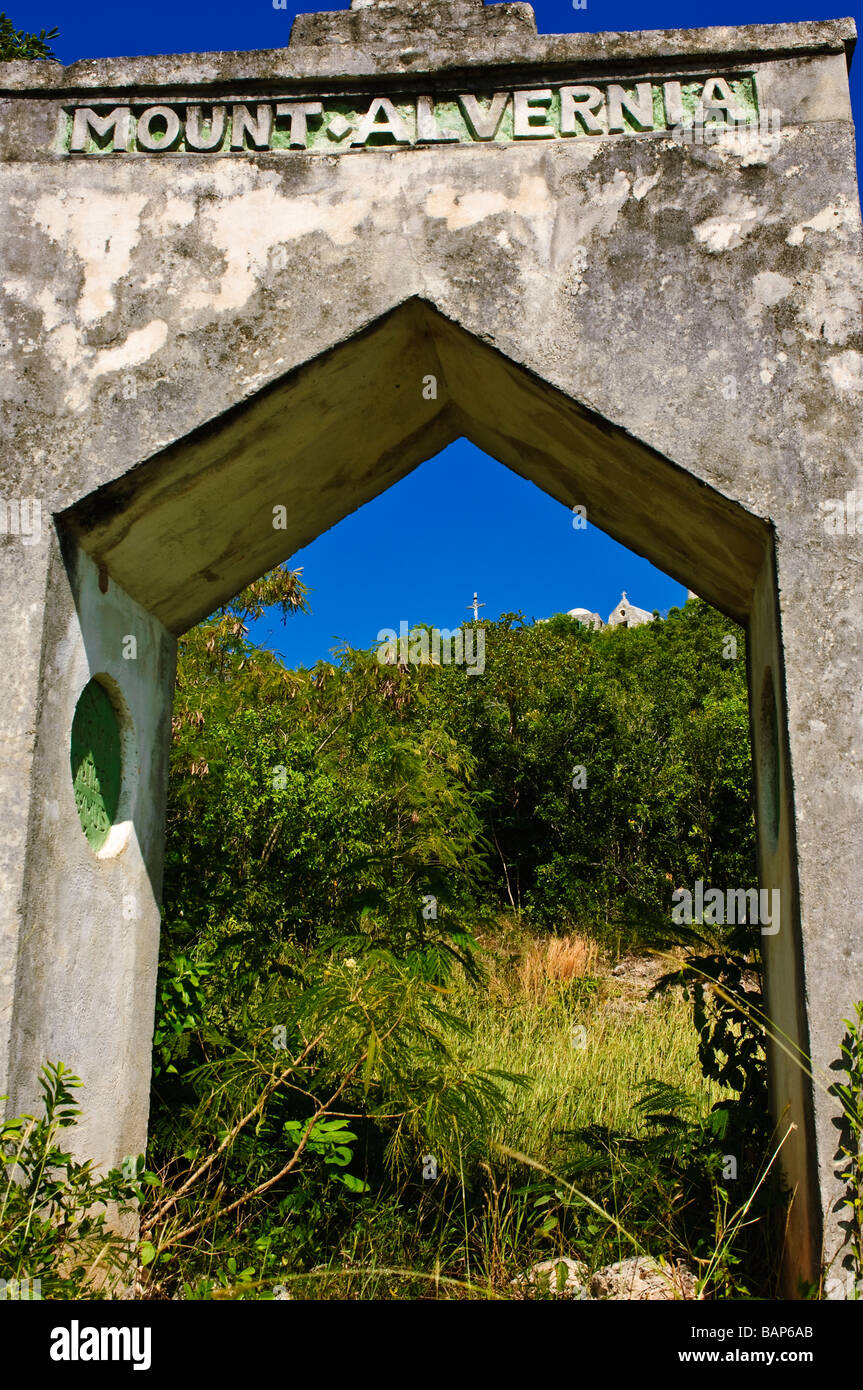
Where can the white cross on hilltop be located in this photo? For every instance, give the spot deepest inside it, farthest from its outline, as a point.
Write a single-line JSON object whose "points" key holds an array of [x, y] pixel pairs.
{"points": [[476, 606]]}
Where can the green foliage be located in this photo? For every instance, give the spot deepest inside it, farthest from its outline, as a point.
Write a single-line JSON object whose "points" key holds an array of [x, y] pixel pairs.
{"points": [[727, 1003], [180, 1007], [54, 1210], [309, 804], [17, 43], [850, 1094], [338, 840], [658, 719], [725, 986], [332, 1139]]}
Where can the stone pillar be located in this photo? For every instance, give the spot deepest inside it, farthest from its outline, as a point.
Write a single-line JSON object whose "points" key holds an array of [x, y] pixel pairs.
{"points": [[809, 771], [23, 578], [86, 962], [791, 1098]]}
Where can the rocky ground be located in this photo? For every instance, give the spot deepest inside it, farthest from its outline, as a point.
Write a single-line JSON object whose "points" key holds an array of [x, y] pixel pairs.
{"points": [[640, 1280]]}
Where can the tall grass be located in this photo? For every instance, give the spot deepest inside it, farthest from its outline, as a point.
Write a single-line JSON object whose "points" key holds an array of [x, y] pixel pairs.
{"points": [[547, 1011], [588, 1046], [604, 1149]]}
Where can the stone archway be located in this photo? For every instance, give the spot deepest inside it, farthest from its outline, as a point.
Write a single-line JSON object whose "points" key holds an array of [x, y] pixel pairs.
{"points": [[213, 316]]}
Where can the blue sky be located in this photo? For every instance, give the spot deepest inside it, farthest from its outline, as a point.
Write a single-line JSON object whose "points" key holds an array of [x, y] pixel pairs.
{"points": [[461, 522]]}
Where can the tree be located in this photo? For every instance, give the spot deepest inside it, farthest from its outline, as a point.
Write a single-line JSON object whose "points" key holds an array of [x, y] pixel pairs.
{"points": [[17, 43]]}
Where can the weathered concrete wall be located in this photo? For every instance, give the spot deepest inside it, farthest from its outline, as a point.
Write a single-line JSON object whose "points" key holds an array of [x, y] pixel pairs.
{"points": [[667, 333], [87, 957], [23, 580]]}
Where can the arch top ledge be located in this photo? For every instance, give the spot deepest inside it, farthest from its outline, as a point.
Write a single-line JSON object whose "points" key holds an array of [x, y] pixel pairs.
{"points": [[376, 38]]}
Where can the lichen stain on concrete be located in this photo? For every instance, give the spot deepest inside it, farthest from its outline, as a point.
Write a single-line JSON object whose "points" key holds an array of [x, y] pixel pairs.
{"points": [[750, 148], [64, 346], [845, 370], [831, 309], [593, 210], [532, 202], [768, 368], [83, 365], [174, 212], [728, 229], [140, 344], [101, 229], [245, 228], [830, 219], [641, 187], [52, 312], [769, 288]]}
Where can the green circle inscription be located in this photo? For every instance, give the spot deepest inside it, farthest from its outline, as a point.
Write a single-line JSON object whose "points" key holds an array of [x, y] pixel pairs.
{"points": [[96, 763]]}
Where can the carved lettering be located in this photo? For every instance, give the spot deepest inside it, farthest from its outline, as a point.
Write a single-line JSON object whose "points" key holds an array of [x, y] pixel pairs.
{"points": [[298, 113], [195, 138], [483, 124], [87, 122], [259, 127], [581, 103], [639, 107], [672, 95], [717, 96], [393, 125], [148, 139], [328, 124], [428, 130], [530, 114]]}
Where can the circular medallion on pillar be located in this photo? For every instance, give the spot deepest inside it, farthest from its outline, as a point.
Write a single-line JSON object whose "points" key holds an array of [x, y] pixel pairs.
{"points": [[97, 764]]}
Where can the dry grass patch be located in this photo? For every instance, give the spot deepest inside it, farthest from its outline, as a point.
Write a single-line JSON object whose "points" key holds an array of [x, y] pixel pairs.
{"points": [[556, 961]]}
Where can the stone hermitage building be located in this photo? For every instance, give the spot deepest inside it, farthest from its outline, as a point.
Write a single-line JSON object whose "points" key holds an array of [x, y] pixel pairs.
{"points": [[624, 614], [228, 282]]}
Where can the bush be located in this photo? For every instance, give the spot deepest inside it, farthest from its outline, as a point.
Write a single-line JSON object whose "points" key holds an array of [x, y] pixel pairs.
{"points": [[57, 1215]]}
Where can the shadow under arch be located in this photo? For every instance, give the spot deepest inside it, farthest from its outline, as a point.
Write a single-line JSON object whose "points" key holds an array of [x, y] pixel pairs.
{"points": [[188, 528]]}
